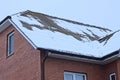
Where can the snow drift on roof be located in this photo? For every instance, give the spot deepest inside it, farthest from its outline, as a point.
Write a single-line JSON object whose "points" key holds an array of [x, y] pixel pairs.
{"points": [[66, 35]]}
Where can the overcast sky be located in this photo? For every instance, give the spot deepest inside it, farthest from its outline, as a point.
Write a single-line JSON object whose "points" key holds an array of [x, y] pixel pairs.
{"points": [[105, 13]]}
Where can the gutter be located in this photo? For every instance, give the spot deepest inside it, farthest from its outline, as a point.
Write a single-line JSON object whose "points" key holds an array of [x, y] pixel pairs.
{"points": [[44, 56], [84, 58], [102, 60]]}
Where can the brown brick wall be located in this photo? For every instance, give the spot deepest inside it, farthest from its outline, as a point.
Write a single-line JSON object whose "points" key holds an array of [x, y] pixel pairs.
{"points": [[109, 69], [24, 64], [55, 69]]}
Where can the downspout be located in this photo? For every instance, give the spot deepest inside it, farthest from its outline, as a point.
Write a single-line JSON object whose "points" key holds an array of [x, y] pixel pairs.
{"points": [[44, 56]]}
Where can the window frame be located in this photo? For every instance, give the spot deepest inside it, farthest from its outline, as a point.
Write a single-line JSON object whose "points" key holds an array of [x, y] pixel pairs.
{"points": [[74, 75], [9, 51], [112, 74]]}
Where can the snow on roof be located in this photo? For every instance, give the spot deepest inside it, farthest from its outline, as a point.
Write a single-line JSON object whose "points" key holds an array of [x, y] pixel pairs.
{"points": [[66, 35]]}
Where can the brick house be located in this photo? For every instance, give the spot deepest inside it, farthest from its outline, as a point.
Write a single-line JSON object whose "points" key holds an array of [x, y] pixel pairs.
{"points": [[36, 46]]}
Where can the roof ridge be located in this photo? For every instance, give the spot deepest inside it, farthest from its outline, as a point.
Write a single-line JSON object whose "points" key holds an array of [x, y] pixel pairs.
{"points": [[107, 37], [19, 12]]}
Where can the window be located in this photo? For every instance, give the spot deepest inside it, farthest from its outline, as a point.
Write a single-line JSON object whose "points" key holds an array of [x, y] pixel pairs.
{"points": [[113, 76], [74, 76], [10, 44]]}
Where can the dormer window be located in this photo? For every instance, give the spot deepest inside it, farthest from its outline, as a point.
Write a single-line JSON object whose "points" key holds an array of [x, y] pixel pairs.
{"points": [[10, 44]]}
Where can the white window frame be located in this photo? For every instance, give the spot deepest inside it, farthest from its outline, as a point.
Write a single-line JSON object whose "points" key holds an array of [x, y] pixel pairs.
{"points": [[9, 43], [113, 74], [74, 75]]}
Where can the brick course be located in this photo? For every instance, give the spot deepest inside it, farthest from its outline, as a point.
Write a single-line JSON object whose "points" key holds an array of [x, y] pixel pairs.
{"points": [[55, 69], [109, 69]]}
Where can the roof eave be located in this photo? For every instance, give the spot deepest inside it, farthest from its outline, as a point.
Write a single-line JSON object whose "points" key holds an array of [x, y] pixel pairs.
{"points": [[110, 59], [73, 58], [5, 23], [119, 53], [90, 59]]}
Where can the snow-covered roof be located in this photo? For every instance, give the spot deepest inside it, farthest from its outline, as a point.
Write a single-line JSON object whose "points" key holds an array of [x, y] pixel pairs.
{"points": [[64, 35]]}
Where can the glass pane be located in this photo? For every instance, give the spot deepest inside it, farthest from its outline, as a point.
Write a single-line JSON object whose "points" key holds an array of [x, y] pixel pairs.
{"points": [[113, 77], [11, 44], [68, 77], [80, 77]]}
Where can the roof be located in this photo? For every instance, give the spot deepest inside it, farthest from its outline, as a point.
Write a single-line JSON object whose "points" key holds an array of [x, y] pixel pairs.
{"points": [[53, 33]]}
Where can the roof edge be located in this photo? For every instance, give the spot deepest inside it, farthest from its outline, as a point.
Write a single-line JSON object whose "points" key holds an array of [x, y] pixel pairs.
{"points": [[8, 17], [5, 23], [98, 60]]}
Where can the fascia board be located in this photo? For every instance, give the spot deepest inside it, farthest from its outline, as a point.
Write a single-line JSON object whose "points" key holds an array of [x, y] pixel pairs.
{"points": [[110, 59], [74, 58], [119, 53], [4, 25], [101, 62]]}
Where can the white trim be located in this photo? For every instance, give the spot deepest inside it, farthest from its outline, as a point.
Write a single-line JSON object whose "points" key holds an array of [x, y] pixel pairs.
{"points": [[75, 58], [113, 74], [8, 46], [74, 75], [110, 59], [4, 25], [119, 53]]}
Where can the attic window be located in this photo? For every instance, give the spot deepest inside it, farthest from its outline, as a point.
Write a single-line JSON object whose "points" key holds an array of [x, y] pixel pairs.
{"points": [[74, 76], [113, 76], [10, 43]]}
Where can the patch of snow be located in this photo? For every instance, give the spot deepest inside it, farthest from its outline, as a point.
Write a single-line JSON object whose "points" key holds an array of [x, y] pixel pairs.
{"points": [[55, 40]]}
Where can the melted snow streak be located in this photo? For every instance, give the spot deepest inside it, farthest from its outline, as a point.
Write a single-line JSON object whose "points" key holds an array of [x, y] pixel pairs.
{"points": [[107, 37], [50, 24], [53, 27]]}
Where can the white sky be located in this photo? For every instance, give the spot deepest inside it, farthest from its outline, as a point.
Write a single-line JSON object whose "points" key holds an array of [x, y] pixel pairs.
{"points": [[104, 13]]}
